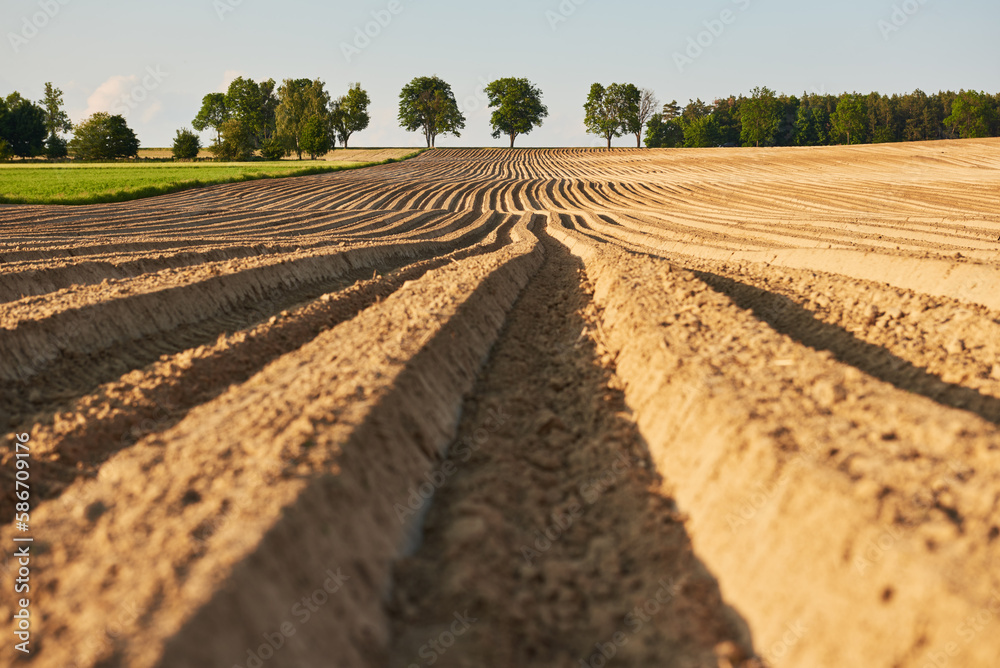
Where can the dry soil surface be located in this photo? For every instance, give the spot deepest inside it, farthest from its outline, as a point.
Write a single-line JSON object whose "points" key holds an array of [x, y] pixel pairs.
{"points": [[701, 408]]}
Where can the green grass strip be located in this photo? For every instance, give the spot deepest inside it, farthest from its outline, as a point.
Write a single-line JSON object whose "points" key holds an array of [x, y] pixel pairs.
{"points": [[101, 183]]}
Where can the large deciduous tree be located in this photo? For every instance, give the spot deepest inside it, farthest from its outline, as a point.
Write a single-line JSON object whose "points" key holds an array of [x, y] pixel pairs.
{"points": [[213, 114], [349, 113], [427, 104], [22, 126], [104, 137], [300, 101], [760, 116], [517, 107], [251, 121], [604, 111]]}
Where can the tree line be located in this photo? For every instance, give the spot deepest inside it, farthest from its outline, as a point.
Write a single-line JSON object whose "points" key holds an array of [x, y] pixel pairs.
{"points": [[768, 119], [30, 130], [300, 117]]}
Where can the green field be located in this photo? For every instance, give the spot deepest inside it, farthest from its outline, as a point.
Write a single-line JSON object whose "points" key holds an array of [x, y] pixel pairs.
{"points": [[93, 183]]}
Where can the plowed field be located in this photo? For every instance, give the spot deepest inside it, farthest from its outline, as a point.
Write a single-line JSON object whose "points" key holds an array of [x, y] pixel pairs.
{"points": [[702, 408]]}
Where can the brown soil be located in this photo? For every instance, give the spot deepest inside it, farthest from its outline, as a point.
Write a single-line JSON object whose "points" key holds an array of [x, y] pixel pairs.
{"points": [[492, 408]]}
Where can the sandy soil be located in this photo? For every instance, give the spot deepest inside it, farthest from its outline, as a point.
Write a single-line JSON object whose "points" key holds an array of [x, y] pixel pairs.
{"points": [[516, 408]]}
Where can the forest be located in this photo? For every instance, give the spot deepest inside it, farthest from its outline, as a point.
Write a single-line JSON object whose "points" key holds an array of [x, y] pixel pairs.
{"points": [[768, 119]]}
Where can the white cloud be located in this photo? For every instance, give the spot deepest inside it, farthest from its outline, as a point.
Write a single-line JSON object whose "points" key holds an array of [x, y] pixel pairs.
{"points": [[109, 95]]}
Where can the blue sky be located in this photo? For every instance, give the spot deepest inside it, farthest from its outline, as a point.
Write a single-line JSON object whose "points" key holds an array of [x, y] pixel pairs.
{"points": [[156, 59]]}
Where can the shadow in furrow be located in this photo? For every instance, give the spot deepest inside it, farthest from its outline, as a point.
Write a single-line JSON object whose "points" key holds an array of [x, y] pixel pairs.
{"points": [[164, 400], [801, 324], [547, 542]]}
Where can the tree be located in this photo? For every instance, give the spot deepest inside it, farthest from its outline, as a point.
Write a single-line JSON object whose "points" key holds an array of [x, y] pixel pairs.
{"points": [[810, 125], [299, 101], [702, 132], [22, 126], [267, 118], [662, 133], [245, 103], [315, 138], [517, 105], [249, 112], [694, 110], [237, 142], [213, 114], [56, 121], [605, 111], [640, 105], [849, 118], [252, 122], [349, 113], [972, 115], [104, 137], [273, 149], [56, 147], [727, 114], [186, 145], [427, 104], [671, 110], [5, 150], [760, 117]]}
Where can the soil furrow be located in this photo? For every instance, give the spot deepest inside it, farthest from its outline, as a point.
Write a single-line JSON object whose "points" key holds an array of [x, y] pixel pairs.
{"points": [[378, 397], [793, 466], [789, 318], [545, 537], [152, 400]]}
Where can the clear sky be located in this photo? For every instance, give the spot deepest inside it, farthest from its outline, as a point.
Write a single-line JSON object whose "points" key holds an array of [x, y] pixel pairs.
{"points": [[155, 59]]}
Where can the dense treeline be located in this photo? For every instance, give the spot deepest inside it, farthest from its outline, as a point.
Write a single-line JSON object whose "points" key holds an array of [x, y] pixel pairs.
{"points": [[768, 119], [296, 117]]}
